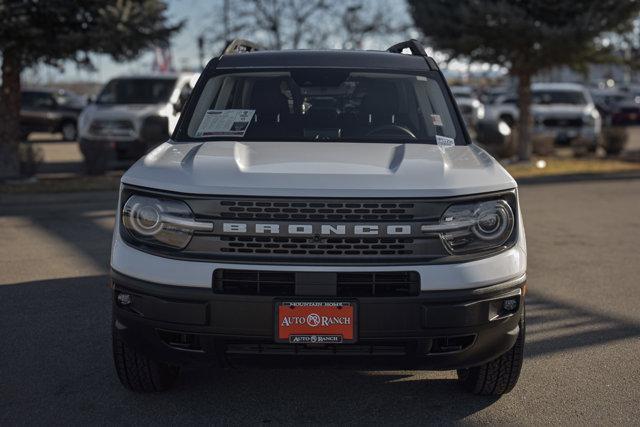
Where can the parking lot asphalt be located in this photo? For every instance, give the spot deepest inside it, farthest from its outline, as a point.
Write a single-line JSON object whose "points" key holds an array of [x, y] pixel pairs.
{"points": [[583, 314]]}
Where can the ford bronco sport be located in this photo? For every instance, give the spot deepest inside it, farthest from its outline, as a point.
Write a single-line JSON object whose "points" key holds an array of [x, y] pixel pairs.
{"points": [[319, 204]]}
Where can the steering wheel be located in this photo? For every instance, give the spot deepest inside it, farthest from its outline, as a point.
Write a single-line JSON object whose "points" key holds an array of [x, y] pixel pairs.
{"points": [[391, 130]]}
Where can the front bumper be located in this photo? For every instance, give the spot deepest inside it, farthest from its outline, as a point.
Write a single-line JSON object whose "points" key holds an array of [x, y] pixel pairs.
{"points": [[563, 135], [124, 150], [434, 330]]}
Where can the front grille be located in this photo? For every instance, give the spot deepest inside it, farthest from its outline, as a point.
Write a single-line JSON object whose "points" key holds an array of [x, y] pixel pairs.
{"points": [[382, 284], [299, 210], [575, 122], [254, 282], [348, 284], [316, 248], [111, 128]]}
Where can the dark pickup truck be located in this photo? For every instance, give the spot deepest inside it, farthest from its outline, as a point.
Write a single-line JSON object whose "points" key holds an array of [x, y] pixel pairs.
{"points": [[50, 110]]}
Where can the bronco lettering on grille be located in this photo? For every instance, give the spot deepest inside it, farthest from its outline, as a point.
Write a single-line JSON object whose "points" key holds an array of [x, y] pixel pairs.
{"points": [[318, 229]]}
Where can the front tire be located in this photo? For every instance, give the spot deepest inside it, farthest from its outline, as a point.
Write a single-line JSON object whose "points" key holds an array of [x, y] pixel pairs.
{"points": [[498, 376], [139, 373]]}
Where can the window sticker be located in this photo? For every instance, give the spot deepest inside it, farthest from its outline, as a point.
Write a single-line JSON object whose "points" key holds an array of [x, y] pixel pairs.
{"points": [[225, 123], [421, 78], [436, 119], [445, 142]]}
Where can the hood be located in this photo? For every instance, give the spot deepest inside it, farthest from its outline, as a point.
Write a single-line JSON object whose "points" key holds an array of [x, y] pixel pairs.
{"points": [[319, 169]]}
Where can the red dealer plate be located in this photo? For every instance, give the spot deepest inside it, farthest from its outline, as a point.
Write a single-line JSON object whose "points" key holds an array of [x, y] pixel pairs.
{"points": [[315, 322]]}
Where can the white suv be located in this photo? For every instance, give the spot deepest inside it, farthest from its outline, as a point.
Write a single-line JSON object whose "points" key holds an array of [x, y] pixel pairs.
{"points": [[131, 115], [319, 204], [566, 110]]}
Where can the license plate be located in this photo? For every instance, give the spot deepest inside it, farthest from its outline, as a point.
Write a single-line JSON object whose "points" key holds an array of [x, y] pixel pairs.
{"points": [[315, 322]]}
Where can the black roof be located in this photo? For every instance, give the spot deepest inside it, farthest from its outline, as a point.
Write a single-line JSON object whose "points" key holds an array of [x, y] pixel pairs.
{"points": [[326, 58]]}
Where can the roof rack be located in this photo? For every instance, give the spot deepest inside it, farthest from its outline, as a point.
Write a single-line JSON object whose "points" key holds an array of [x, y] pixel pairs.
{"points": [[241, 45], [413, 45], [416, 49]]}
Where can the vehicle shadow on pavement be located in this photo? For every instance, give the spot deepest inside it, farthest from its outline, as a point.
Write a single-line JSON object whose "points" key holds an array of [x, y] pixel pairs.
{"points": [[56, 365], [556, 326], [82, 221]]}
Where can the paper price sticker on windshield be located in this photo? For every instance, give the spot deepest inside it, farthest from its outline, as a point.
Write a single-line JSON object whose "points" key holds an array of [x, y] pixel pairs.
{"points": [[445, 142], [225, 123], [436, 119]]}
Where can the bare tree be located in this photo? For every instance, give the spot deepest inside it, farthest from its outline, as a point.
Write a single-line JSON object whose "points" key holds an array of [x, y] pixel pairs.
{"points": [[294, 24], [287, 22], [364, 19], [230, 21]]}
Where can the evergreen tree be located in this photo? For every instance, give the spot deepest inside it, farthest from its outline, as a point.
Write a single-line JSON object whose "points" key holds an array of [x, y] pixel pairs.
{"points": [[525, 36], [53, 31]]}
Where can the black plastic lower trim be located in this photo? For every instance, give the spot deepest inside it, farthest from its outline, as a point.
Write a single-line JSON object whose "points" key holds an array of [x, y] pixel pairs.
{"points": [[439, 330]]}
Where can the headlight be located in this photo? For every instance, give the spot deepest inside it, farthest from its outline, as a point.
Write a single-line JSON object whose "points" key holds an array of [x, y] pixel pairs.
{"points": [[474, 227], [591, 115], [163, 222]]}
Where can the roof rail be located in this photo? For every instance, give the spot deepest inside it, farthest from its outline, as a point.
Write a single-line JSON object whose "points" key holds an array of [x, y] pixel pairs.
{"points": [[413, 45], [241, 45]]}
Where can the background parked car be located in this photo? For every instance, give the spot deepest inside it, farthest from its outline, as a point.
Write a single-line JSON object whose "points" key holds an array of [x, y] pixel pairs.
{"points": [[564, 110], [470, 106], [50, 110], [607, 100], [131, 115], [627, 111]]}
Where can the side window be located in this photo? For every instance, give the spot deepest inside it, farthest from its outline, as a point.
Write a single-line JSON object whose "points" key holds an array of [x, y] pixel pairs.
{"points": [[434, 108]]}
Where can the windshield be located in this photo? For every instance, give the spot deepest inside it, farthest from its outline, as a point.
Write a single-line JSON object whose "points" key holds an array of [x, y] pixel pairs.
{"points": [[559, 97], [322, 105], [137, 91]]}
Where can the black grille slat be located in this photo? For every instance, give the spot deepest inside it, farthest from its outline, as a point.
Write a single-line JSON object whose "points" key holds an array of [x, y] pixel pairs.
{"points": [[344, 246], [254, 282], [278, 283], [317, 211]]}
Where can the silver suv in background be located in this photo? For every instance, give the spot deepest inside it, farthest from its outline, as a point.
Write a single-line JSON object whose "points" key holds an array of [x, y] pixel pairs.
{"points": [[131, 115], [565, 110], [471, 108]]}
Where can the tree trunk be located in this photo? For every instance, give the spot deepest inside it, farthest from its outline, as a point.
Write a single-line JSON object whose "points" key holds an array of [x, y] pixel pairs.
{"points": [[525, 121], [10, 113]]}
